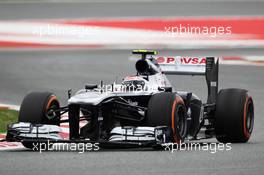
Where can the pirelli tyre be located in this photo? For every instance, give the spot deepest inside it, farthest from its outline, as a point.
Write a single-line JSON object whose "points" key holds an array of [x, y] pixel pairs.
{"points": [[234, 116], [38, 108], [168, 109]]}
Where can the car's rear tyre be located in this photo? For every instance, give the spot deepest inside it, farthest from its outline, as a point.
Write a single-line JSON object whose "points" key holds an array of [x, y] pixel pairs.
{"points": [[234, 116], [168, 109], [37, 108]]}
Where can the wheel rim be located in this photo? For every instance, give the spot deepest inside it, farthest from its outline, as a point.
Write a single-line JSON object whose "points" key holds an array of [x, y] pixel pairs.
{"points": [[250, 116], [180, 122], [52, 116]]}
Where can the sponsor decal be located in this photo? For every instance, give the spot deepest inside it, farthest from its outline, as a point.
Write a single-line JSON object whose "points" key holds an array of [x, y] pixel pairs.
{"points": [[181, 60]]}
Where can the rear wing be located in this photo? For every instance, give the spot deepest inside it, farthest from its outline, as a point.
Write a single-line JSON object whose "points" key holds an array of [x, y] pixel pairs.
{"points": [[207, 66]]}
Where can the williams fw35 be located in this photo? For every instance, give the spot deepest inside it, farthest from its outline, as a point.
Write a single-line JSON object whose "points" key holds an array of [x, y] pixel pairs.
{"points": [[144, 110]]}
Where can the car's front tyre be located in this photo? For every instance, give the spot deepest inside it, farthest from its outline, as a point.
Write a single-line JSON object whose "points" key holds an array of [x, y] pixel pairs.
{"points": [[36, 108], [168, 109]]}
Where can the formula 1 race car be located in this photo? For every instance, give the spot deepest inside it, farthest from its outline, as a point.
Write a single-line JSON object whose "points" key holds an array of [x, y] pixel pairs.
{"points": [[142, 111]]}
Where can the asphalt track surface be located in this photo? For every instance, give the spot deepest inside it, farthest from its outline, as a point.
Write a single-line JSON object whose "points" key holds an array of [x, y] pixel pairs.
{"points": [[130, 9], [57, 71]]}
